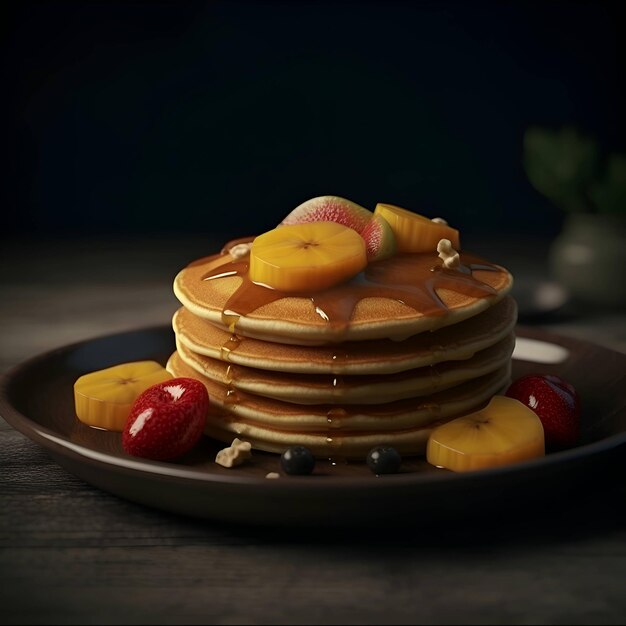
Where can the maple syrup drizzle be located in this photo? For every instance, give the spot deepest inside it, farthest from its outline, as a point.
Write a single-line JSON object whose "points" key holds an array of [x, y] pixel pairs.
{"points": [[232, 343], [334, 414], [435, 375], [338, 360], [409, 278], [230, 396]]}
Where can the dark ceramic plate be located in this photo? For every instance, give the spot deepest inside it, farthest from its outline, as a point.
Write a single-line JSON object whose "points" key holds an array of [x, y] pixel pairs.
{"points": [[36, 398]]}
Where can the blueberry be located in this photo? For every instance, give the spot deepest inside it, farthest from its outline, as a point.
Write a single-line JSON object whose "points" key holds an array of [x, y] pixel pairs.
{"points": [[297, 460], [384, 460]]}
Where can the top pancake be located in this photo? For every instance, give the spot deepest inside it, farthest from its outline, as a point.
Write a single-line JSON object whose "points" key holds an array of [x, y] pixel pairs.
{"points": [[392, 299]]}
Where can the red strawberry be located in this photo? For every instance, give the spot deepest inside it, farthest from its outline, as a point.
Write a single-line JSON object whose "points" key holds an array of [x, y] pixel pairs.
{"points": [[167, 419], [555, 402]]}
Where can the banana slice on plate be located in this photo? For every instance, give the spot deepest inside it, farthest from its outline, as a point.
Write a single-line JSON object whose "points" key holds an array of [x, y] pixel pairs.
{"points": [[103, 398], [505, 431]]}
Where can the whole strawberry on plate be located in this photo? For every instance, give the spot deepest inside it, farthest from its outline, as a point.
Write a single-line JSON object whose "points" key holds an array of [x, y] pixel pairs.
{"points": [[167, 420], [555, 402]]}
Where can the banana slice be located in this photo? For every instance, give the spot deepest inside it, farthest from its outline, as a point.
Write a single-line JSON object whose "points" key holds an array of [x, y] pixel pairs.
{"points": [[307, 257], [505, 431], [416, 233], [103, 398]]}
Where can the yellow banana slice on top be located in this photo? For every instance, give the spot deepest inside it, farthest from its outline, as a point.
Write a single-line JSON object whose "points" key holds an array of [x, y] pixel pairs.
{"points": [[414, 232], [307, 257]]}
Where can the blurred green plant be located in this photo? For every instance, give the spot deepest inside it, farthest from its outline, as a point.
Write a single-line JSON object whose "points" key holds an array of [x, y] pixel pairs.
{"points": [[567, 167]]}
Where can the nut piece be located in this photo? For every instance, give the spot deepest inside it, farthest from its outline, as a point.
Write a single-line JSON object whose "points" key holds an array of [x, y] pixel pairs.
{"points": [[235, 454], [450, 256], [439, 220], [240, 250], [272, 475]]}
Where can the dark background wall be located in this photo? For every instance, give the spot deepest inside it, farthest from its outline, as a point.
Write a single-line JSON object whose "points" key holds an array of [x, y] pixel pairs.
{"points": [[144, 117]]}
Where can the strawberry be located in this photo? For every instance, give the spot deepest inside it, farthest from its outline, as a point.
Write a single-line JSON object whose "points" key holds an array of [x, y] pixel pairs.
{"points": [[555, 402], [166, 420]]}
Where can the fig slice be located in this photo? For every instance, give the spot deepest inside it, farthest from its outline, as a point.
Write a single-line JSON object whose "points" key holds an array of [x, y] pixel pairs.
{"points": [[379, 238]]}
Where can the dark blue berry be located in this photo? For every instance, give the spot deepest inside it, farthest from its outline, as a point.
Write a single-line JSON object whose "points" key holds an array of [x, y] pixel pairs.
{"points": [[384, 460], [297, 460]]}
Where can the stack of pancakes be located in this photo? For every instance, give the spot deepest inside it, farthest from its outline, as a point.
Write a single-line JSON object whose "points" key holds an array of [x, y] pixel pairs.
{"points": [[361, 365]]}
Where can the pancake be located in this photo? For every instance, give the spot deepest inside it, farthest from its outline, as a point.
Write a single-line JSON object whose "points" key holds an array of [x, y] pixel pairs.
{"points": [[365, 389], [384, 356], [348, 431], [391, 299]]}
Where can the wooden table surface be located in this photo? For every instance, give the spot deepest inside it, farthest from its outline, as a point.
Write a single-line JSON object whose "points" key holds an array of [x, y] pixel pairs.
{"points": [[72, 554]]}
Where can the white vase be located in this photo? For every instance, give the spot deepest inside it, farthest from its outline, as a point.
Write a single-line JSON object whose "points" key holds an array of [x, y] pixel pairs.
{"points": [[589, 258]]}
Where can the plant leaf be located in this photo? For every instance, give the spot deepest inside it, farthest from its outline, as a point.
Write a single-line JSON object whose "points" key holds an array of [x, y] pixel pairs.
{"points": [[561, 165], [609, 195]]}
